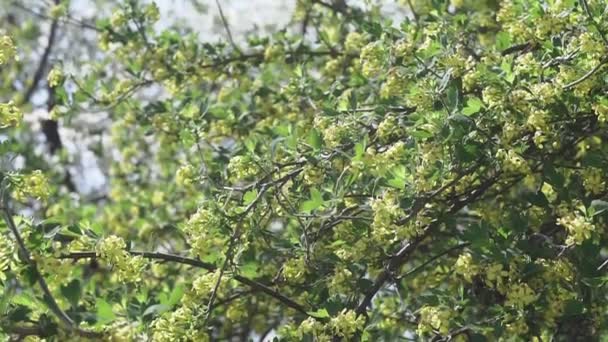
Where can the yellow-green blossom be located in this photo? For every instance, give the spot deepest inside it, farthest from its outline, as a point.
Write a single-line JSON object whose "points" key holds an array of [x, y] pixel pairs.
{"points": [[10, 115], [34, 184], [8, 51], [55, 77]]}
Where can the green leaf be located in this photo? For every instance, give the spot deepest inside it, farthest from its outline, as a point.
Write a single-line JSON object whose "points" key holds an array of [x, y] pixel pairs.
{"points": [[321, 313], [315, 201], [175, 296], [249, 270], [72, 291], [314, 139], [503, 40], [597, 207], [156, 309], [250, 196], [399, 174], [474, 104], [104, 312]]}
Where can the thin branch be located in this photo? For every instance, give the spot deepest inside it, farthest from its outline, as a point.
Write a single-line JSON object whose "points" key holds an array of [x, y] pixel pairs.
{"points": [[597, 26], [50, 300], [228, 259], [438, 256], [207, 266], [397, 260], [227, 27], [43, 62], [587, 75]]}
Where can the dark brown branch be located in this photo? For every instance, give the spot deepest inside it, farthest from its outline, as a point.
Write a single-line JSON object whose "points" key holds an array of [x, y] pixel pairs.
{"points": [[207, 266], [43, 62], [404, 253]]}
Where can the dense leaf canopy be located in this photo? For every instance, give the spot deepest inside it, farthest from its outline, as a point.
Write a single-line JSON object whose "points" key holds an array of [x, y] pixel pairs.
{"points": [[440, 175]]}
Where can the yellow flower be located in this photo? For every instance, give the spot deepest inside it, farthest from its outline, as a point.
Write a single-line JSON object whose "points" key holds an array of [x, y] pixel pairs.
{"points": [[373, 59], [434, 318], [185, 175], [10, 115], [354, 41], [8, 51], [465, 266], [128, 268], [55, 77], [346, 323], [520, 295], [118, 19], [579, 228], [33, 185]]}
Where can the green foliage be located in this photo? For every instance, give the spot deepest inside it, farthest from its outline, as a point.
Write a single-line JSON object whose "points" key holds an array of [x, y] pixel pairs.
{"points": [[440, 176]]}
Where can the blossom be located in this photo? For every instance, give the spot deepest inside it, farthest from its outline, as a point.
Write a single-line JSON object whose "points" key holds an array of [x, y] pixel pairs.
{"points": [[434, 318], [34, 184], [8, 51], [10, 115], [347, 323], [185, 175], [55, 77]]}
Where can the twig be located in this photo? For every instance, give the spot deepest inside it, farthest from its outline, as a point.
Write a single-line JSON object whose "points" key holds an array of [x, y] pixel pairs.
{"points": [[587, 75], [200, 264], [43, 62], [447, 251], [228, 259], [227, 27], [597, 26], [50, 300]]}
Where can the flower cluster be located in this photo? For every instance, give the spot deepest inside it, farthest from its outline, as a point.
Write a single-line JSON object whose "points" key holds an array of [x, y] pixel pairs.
{"points": [[466, 267], [355, 41], [242, 168], [579, 227], [347, 323], [10, 115], [294, 270], [520, 295], [386, 210], [34, 184], [395, 84], [179, 325], [185, 176], [112, 250], [373, 59], [512, 161], [434, 318], [8, 51], [203, 231], [593, 180], [55, 77]]}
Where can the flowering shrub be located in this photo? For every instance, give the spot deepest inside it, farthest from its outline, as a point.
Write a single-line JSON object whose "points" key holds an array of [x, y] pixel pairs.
{"points": [[438, 176]]}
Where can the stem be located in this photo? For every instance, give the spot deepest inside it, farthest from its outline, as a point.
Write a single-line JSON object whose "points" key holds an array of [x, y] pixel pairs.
{"points": [[50, 300], [207, 266]]}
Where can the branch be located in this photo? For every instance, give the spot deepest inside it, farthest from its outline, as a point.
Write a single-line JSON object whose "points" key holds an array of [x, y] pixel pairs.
{"points": [[200, 264], [227, 27], [397, 260], [587, 75], [447, 251], [43, 62], [597, 26], [50, 300]]}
